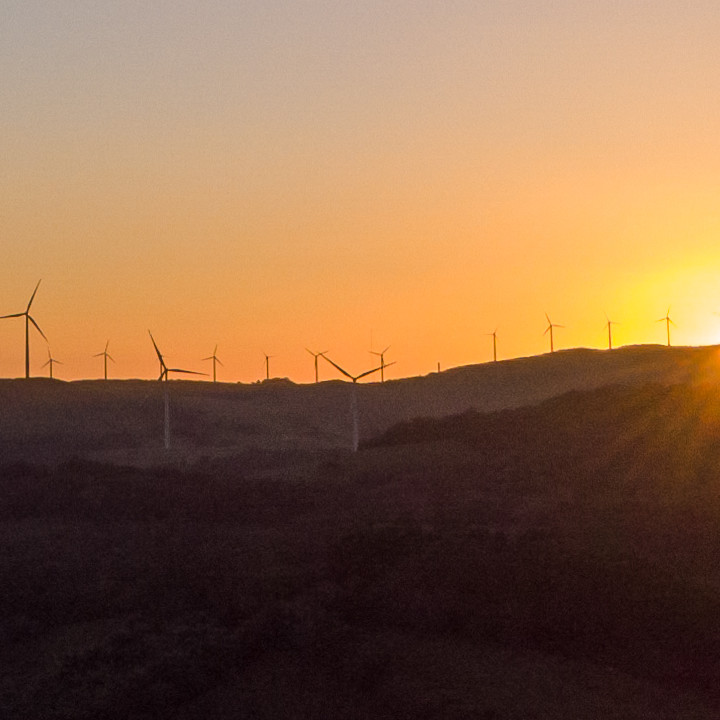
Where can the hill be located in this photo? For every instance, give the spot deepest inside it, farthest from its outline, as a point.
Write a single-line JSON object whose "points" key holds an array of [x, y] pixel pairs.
{"points": [[555, 561], [122, 421]]}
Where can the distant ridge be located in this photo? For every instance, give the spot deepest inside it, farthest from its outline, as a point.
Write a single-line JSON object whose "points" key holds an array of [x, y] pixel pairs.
{"points": [[122, 419]]}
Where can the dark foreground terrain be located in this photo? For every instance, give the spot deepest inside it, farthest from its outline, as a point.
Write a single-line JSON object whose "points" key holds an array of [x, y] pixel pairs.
{"points": [[557, 561]]}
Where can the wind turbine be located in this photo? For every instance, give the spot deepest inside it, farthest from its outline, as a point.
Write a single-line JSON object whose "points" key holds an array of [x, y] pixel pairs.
{"points": [[353, 401], [51, 361], [667, 322], [549, 329], [106, 356], [610, 323], [316, 355], [164, 372], [215, 359], [493, 334], [267, 365], [28, 319], [381, 355]]}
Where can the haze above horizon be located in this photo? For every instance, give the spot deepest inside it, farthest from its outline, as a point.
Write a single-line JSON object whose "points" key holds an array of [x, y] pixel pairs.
{"points": [[268, 176]]}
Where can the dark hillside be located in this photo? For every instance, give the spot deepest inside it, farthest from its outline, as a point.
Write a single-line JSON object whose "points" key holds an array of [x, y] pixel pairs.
{"points": [[557, 561], [122, 421]]}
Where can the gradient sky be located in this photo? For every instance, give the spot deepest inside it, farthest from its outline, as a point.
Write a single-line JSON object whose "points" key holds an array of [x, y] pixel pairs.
{"points": [[274, 175]]}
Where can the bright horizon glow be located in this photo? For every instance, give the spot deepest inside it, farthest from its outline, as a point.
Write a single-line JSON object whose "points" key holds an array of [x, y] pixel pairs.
{"points": [[274, 176]]}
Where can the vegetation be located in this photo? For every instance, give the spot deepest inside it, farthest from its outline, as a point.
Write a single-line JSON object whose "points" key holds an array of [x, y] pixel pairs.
{"points": [[556, 561]]}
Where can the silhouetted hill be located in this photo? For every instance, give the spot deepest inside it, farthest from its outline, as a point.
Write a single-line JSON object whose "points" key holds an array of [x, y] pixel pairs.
{"points": [[123, 420], [556, 560]]}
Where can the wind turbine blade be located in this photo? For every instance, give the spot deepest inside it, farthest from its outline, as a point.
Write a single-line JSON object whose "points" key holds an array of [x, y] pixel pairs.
{"points": [[13, 315], [218, 361], [32, 320], [207, 358], [547, 317], [100, 355], [369, 372], [187, 372], [33, 296], [561, 326], [154, 343], [47, 363], [159, 354], [110, 357], [344, 372], [547, 329], [215, 350], [385, 350], [375, 352], [59, 362]]}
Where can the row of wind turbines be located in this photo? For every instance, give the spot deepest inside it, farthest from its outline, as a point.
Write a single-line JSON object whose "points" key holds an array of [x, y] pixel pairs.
{"points": [[51, 361], [549, 330], [165, 371]]}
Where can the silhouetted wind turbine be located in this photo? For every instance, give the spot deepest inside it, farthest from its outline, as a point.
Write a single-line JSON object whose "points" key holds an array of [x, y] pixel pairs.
{"points": [[610, 323], [381, 355], [549, 329], [215, 359], [106, 356], [493, 334], [667, 322], [51, 361], [164, 373], [353, 401], [28, 319], [316, 355], [267, 365]]}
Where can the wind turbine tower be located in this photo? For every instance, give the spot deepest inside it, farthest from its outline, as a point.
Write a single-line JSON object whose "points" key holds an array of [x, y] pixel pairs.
{"points": [[493, 334], [106, 356], [267, 365], [353, 400], [28, 319], [610, 323], [51, 361], [549, 329], [381, 355], [316, 355], [667, 322], [215, 359], [163, 378]]}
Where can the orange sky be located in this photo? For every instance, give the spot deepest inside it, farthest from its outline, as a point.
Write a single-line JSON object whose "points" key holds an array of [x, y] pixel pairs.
{"points": [[269, 176]]}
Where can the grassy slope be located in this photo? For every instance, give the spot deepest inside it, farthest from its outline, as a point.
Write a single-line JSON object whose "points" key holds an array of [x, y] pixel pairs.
{"points": [[555, 561]]}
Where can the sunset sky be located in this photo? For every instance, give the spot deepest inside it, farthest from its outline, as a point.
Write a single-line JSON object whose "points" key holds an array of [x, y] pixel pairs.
{"points": [[268, 175]]}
